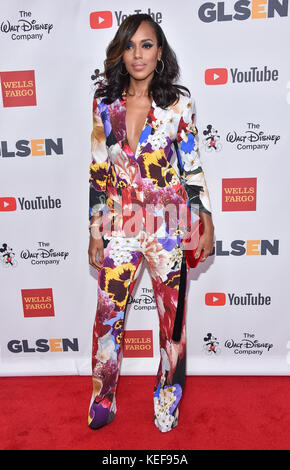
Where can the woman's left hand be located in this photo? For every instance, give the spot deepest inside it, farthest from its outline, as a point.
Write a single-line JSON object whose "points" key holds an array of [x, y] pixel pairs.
{"points": [[205, 243]]}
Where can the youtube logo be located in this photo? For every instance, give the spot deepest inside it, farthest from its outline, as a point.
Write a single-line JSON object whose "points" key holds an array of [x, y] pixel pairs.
{"points": [[7, 204], [215, 298], [216, 76], [101, 19]]}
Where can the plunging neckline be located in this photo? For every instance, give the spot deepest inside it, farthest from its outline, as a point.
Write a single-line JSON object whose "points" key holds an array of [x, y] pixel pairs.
{"points": [[124, 98]]}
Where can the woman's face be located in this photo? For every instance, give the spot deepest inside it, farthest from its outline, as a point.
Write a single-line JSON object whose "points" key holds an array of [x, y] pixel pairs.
{"points": [[142, 52]]}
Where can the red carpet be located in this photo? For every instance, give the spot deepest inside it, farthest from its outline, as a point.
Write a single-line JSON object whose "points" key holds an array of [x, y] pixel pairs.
{"points": [[230, 413]]}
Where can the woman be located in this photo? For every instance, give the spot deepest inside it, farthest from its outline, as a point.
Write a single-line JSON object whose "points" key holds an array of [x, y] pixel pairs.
{"points": [[138, 114]]}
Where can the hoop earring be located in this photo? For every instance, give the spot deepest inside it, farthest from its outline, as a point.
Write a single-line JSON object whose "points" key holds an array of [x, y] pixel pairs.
{"points": [[121, 70], [162, 67]]}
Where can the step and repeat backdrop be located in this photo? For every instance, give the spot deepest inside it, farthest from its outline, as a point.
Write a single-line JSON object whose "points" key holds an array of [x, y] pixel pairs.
{"points": [[233, 58]]}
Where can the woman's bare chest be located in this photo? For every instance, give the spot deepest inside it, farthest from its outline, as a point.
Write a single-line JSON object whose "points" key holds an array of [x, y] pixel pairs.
{"points": [[136, 115]]}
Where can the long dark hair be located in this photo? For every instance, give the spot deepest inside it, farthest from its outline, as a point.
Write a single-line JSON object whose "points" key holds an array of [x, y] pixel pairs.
{"points": [[163, 87]]}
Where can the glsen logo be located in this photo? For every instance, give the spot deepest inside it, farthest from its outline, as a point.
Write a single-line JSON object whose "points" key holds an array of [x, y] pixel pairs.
{"points": [[239, 194], [18, 88], [145, 302], [248, 345], [7, 204], [247, 247], [248, 299], [43, 345], [216, 76], [215, 298], [138, 343], [244, 10], [101, 19], [45, 255], [37, 302], [35, 148], [219, 76]]}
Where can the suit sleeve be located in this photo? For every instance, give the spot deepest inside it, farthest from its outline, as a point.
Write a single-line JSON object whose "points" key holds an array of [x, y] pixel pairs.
{"points": [[187, 144], [99, 164]]}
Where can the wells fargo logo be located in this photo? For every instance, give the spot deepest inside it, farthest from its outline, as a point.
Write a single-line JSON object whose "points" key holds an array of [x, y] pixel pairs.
{"points": [[239, 194], [37, 302], [138, 343], [18, 88]]}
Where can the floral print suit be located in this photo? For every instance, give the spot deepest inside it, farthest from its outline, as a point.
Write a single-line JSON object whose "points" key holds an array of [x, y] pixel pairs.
{"points": [[148, 182]]}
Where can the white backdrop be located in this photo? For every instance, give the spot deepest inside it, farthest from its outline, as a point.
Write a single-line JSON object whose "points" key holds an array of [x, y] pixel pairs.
{"points": [[238, 299]]}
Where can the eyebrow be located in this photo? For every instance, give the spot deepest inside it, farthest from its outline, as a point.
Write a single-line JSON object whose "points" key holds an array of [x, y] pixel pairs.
{"points": [[143, 40]]}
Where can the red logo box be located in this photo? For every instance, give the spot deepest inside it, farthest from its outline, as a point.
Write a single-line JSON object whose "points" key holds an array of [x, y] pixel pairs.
{"points": [[18, 88], [239, 194], [37, 302], [138, 343], [216, 76], [7, 204], [101, 19], [215, 298]]}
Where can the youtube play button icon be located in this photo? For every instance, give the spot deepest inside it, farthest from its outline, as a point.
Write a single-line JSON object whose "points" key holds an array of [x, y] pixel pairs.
{"points": [[7, 204], [101, 19], [216, 76], [215, 298]]}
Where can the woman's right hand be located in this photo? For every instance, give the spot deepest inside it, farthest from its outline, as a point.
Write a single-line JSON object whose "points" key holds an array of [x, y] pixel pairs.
{"points": [[96, 252]]}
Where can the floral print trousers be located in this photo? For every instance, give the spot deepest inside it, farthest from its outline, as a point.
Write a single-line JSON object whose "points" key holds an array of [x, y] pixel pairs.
{"points": [[123, 258]]}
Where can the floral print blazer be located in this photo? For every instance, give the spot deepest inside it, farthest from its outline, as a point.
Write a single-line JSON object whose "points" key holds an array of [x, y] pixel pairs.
{"points": [[115, 169]]}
